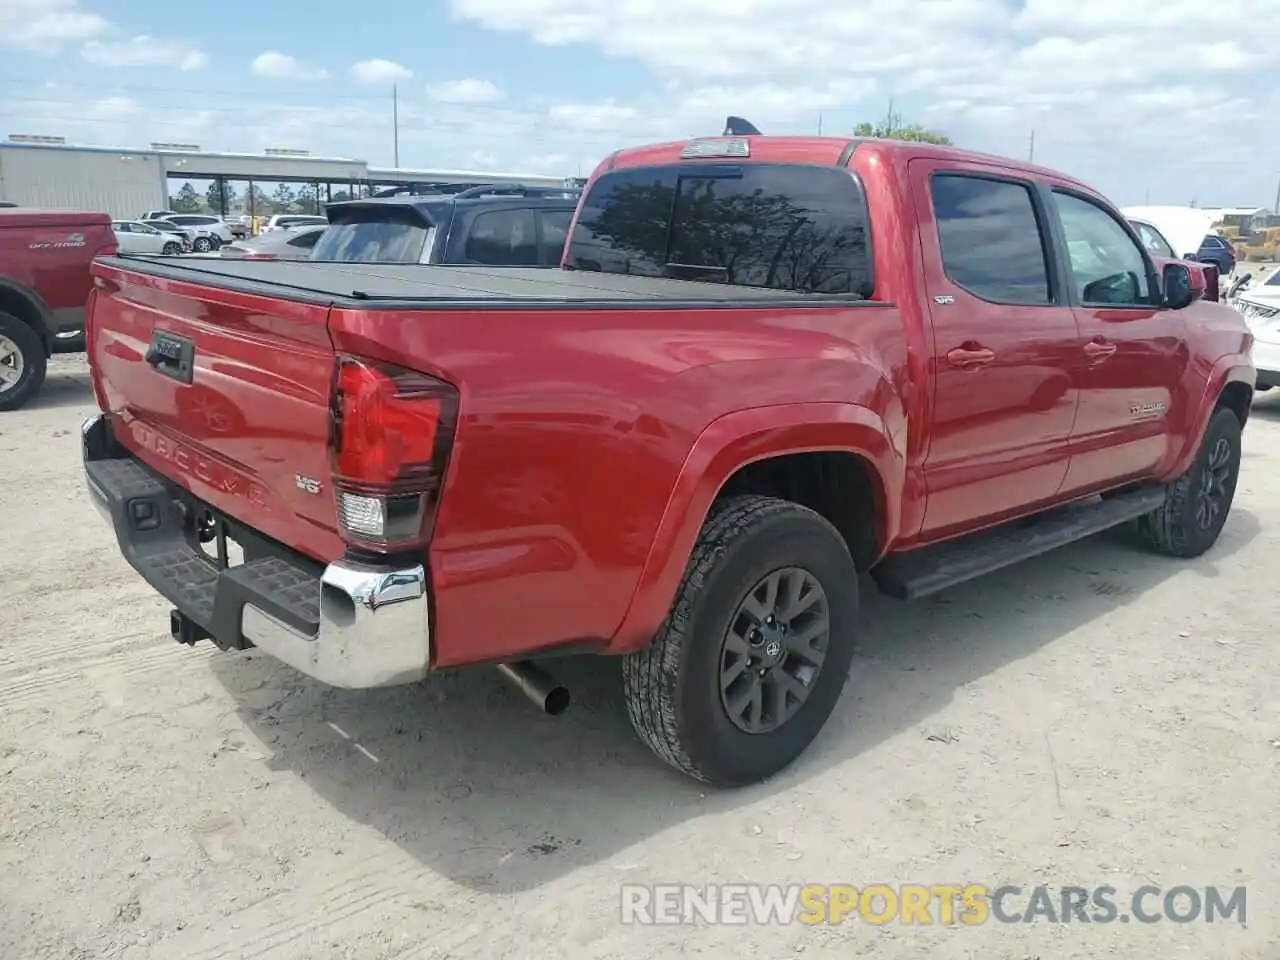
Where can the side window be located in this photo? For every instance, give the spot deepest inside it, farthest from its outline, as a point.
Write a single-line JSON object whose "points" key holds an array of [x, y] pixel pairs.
{"points": [[1107, 266], [555, 230], [305, 240], [990, 238], [504, 238], [1151, 238]]}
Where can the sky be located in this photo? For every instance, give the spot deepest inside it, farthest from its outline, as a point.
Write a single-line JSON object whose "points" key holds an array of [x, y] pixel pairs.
{"points": [[1160, 101]]}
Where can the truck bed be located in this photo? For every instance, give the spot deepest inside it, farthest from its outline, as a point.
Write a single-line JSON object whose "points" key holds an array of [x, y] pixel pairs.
{"points": [[414, 286]]}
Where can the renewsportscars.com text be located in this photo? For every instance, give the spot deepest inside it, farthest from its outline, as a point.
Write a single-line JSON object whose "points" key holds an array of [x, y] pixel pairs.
{"points": [[927, 904]]}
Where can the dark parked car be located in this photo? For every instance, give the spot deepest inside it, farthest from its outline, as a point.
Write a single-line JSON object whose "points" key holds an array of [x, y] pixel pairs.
{"points": [[509, 225], [1218, 251]]}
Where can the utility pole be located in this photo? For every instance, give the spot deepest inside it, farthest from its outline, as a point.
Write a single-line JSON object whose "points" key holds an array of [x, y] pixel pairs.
{"points": [[819, 123], [395, 123], [1277, 206], [1031, 149]]}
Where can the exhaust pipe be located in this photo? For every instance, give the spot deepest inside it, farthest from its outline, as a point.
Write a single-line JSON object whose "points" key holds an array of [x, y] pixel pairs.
{"points": [[531, 680]]}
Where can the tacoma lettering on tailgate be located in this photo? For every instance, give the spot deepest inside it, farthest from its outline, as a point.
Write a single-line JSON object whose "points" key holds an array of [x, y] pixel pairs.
{"points": [[205, 469]]}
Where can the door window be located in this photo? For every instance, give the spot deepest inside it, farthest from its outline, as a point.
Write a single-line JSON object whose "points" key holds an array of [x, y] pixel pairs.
{"points": [[990, 238], [555, 230], [505, 238], [1107, 267]]}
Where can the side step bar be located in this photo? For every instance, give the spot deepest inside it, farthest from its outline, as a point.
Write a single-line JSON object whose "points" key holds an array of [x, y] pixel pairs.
{"points": [[919, 573]]}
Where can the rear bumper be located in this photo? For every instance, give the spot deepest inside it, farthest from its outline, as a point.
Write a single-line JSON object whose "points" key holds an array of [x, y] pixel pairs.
{"points": [[350, 624]]}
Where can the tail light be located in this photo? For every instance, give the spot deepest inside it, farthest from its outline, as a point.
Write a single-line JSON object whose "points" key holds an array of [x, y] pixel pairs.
{"points": [[391, 431]]}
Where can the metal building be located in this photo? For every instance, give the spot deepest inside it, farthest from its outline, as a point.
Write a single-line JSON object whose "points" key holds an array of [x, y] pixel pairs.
{"points": [[48, 172]]}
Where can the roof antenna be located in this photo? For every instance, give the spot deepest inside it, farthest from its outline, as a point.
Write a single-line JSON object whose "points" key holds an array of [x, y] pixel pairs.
{"points": [[737, 127]]}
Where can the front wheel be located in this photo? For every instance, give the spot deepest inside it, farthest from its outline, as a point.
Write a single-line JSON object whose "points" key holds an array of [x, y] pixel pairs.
{"points": [[1197, 503], [172, 249], [755, 652], [202, 245]]}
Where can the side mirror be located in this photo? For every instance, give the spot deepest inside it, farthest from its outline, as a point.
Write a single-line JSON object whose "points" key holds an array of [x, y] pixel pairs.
{"points": [[1177, 286]]}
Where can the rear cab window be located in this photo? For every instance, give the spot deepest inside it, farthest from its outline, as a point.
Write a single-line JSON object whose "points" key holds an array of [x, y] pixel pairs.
{"points": [[783, 226], [376, 233]]}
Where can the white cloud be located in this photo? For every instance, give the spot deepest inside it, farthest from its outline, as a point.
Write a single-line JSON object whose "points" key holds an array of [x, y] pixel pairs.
{"points": [[379, 72], [465, 91], [281, 66], [145, 51], [45, 26], [608, 116], [1147, 94], [1081, 73]]}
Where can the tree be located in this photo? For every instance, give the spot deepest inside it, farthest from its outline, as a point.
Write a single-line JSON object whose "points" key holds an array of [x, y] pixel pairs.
{"points": [[736, 237], [282, 199], [261, 202], [892, 128], [308, 199], [186, 200], [215, 198]]}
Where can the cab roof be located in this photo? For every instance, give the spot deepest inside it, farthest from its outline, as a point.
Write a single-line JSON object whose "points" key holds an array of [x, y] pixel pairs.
{"points": [[813, 149]]}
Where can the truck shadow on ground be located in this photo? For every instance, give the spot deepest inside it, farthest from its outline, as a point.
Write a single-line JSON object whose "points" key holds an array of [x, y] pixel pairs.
{"points": [[463, 774], [64, 386]]}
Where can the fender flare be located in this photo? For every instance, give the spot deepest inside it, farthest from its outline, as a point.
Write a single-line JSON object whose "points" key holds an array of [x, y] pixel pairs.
{"points": [[44, 316], [1232, 368], [721, 450]]}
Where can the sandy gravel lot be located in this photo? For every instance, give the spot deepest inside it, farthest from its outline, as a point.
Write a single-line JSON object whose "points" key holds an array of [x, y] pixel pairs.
{"points": [[1097, 716]]}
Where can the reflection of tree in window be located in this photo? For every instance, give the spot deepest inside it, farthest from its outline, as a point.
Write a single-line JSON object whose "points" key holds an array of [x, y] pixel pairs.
{"points": [[767, 226], [990, 238]]}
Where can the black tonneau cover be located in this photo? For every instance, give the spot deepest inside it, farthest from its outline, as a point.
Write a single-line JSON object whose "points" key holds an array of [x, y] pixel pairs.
{"points": [[438, 286]]}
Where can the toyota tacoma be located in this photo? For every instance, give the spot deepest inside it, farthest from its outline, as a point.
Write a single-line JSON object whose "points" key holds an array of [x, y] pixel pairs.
{"points": [[766, 365]]}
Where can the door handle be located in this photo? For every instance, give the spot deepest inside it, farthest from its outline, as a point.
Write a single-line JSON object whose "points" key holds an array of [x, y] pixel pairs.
{"points": [[970, 358], [1099, 349]]}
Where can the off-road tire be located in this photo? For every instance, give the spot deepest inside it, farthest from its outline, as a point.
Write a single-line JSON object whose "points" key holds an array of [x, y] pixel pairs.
{"points": [[672, 686], [1171, 528], [202, 245], [34, 362]]}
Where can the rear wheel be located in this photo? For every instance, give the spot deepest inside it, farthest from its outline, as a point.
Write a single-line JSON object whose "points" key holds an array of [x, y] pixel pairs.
{"points": [[22, 362], [202, 245], [1197, 503], [753, 657]]}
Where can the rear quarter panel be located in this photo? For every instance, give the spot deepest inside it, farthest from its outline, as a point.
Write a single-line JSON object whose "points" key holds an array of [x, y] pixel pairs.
{"points": [[50, 261], [575, 431]]}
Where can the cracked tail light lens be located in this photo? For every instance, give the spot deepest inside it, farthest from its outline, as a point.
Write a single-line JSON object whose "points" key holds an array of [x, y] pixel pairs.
{"points": [[390, 435]]}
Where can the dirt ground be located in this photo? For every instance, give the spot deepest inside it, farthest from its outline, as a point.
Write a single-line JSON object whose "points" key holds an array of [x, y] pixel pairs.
{"points": [[1096, 716]]}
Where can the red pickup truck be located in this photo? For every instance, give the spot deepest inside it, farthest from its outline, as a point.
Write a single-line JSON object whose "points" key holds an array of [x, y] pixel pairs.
{"points": [[44, 283], [768, 364]]}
